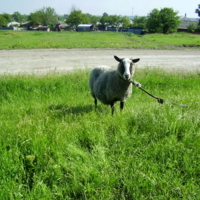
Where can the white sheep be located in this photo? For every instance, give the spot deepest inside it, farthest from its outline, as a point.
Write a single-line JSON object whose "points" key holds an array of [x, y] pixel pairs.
{"points": [[109, 85]]}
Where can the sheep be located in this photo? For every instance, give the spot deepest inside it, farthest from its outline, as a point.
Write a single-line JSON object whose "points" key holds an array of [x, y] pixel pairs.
{"points": [[109, 85]]}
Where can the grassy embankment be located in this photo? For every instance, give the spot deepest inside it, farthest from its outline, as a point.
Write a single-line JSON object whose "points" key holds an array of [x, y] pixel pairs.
{"points": [[54, 145], [29, 40]]}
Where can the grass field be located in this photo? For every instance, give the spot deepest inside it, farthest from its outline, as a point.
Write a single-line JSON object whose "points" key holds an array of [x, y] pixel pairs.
{"points": [[54, 145], [34, 40]]}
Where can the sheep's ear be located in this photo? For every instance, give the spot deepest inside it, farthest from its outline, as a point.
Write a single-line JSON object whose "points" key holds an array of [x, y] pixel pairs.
{"points": [[118, 59], [135, 60]]}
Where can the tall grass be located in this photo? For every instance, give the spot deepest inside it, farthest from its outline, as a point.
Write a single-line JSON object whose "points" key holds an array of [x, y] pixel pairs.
{"points": [[34, 40], [54, 145]]}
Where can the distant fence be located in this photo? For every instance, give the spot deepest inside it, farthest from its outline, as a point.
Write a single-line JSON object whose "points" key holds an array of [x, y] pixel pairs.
{"points": [[186, 31], [6, 28], [136, 31], [13, 28]]}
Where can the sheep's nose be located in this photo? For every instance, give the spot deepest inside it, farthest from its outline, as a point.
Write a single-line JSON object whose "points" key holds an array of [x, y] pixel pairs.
{"points": [[126, 76]]}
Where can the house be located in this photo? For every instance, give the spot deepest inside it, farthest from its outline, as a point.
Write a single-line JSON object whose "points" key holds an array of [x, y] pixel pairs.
{"points": [[63, 24], [40, 27], [44, 28], [85, 27], [25, 25], [102, 27], [10, 24], [185, 22]]}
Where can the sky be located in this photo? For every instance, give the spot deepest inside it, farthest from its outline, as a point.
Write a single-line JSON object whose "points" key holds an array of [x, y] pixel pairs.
{"points": [[98, 7]]}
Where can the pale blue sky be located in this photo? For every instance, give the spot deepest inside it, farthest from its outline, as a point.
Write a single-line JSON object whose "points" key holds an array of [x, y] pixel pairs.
{"points": [[98, 7]]}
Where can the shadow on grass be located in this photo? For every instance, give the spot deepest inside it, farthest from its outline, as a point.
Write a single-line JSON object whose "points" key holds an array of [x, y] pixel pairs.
{"points": [[63, 109]]}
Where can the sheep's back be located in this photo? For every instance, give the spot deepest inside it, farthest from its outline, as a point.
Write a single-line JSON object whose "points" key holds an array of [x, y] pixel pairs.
{"points": [[94, 77]]}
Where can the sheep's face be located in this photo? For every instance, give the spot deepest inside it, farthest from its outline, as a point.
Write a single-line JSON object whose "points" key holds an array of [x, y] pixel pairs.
{"points": [[126, 68]]}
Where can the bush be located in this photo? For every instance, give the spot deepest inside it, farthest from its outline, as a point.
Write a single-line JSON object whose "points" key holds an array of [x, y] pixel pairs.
{"points": [[198, 28], [191, 27]]}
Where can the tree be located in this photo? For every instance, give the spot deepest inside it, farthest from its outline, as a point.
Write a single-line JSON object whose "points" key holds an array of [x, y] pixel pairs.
{"points": [[49, 16], [93, 19], [35, 18], [73, 8], [7, 17], [153, 21], [111, 20], [45, 16], [164, 21], [3, 21], [125, 22], [61, 17], [105, 14], [77, 17], [24, 18], [197, 28], [169, 20], [139, 22], [104, 19], [17, 17], [114, 20], [198, 10], [191, 27]]}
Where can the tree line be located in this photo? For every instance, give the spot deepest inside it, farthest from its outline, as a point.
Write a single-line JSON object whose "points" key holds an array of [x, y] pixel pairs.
{"points": [[157, 21]]}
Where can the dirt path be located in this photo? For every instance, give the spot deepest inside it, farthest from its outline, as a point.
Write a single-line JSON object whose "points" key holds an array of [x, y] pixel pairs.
{"points": [[45, 60]]}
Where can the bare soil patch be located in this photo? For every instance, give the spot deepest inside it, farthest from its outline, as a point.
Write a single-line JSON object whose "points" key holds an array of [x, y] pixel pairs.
{"points": [[58, 60]]}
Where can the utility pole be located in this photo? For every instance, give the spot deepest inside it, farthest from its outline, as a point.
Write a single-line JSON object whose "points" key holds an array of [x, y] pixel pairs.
{"points": [[132, 13]]}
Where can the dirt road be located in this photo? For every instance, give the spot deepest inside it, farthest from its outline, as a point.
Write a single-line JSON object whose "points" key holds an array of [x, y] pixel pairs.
{"points": [[45, 60]]}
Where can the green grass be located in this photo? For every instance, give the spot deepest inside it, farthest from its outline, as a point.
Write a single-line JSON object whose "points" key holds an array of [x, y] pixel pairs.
{"points": [[34, 40], [54, 145]]}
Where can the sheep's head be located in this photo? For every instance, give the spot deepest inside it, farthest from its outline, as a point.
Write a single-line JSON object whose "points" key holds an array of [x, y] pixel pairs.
{"points": [[125, 67]]}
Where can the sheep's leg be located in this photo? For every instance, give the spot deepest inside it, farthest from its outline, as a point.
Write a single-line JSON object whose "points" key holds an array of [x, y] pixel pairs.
{"points": [[121, 105], [95, 102], [112, 108]]}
